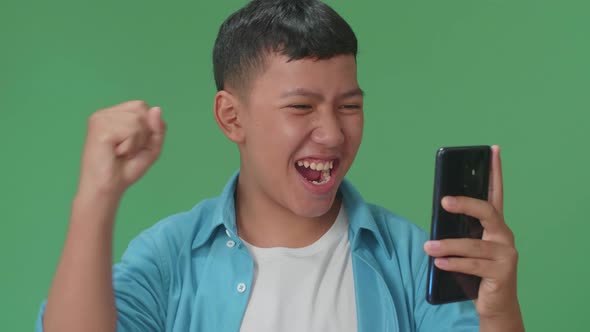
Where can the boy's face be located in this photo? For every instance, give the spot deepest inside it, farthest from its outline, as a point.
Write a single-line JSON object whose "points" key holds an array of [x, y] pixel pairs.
{"points": [[301, 115]]}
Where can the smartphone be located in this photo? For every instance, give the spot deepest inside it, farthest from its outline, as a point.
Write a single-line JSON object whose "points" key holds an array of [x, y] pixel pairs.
{"points": [[459, 171]]}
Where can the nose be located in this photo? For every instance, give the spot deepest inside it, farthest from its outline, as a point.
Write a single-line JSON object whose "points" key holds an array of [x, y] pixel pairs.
{"points": [[328, 130]]}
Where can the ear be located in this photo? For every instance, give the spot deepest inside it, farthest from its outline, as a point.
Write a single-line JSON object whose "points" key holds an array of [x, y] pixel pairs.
{"points": [[226, 111]]}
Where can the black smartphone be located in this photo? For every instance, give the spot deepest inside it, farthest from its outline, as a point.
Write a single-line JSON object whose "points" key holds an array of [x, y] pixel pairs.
{"points": [[459, 171]]}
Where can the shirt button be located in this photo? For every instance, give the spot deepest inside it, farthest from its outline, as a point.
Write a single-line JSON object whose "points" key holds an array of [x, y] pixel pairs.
{"points": [[227, 232], [230, 243], [241, 287]]}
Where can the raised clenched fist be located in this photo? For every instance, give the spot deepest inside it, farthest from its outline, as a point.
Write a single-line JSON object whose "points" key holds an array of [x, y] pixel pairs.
{"points": [[122, 142]]}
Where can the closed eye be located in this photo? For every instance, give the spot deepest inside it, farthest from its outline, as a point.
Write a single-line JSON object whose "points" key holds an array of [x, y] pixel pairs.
{"points": [[351, 106], [300, 106]]}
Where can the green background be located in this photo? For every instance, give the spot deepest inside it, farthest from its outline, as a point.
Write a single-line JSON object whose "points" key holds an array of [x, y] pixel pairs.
{"points": [[436, 73]]}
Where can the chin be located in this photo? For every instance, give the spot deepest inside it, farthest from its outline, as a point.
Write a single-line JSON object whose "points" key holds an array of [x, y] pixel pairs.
{"points": [[307, 209]]}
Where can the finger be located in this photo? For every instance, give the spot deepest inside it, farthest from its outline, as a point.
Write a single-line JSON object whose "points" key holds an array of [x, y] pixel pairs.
{"points": [[158, 128], [469, 248], [477, 208], [496, 187], [123, 148], [136, 130], [134, 135], [149, 154], [154, 146], [132, 144], [484, 268], [133, 106], [501, 267]]}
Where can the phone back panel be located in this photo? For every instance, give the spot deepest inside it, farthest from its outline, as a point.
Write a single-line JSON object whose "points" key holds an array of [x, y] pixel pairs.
{"points": [[460, 171]]}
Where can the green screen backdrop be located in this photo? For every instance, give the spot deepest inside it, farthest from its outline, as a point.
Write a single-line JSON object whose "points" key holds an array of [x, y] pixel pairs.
{"points": [[436, 73]]}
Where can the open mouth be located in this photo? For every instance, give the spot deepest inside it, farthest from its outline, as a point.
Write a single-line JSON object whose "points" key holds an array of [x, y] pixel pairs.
{"points": [[316, 171]]}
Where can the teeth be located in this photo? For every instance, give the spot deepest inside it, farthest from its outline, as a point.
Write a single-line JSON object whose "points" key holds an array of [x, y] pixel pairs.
{"points": [[316, 166], [325, 176], [323, 167]]}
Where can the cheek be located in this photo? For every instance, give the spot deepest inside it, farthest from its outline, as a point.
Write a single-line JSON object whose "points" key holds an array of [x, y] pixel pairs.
{"points": [[353, 127], [286, 129], [277, 134], [262, 128]]}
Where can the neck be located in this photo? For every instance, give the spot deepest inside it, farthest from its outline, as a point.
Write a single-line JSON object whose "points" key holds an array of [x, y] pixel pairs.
{"points": [[264, 223]]}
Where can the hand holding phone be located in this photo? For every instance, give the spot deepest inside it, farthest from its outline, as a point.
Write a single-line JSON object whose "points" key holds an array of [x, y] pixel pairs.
{"points": [[493, 258]]}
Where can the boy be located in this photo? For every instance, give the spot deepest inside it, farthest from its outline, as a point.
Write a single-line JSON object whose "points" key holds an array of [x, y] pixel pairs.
{"points": [[289, 245]]}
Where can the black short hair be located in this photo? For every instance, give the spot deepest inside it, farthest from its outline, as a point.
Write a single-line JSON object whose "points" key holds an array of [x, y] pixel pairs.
{"points": [[295, 28]]}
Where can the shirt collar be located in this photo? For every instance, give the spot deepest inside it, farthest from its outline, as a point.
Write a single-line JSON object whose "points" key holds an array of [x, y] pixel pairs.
{"points": [[223, 214], [361, 220]]}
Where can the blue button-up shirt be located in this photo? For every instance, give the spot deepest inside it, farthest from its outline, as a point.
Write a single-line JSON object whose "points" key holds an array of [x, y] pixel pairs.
{"points": [[191, 272]]}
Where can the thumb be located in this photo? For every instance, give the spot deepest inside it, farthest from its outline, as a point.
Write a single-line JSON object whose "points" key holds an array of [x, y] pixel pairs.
{"points": [[155, 122], [137, 166], [158, 129]]}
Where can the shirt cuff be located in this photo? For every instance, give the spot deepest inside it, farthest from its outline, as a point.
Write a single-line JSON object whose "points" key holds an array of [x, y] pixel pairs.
{"points": [[39, 325]]}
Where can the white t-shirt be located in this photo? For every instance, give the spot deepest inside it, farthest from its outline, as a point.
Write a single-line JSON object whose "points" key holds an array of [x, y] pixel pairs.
{"points": [[304, 289]]}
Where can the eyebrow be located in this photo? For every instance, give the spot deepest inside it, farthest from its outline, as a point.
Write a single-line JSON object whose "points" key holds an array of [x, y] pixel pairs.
{"points": [[309, 93]]}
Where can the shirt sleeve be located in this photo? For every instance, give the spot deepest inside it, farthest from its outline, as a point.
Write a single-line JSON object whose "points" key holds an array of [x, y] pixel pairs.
{"points": [[39, 324], [140, 284], [140, 287], [458, 316]]}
